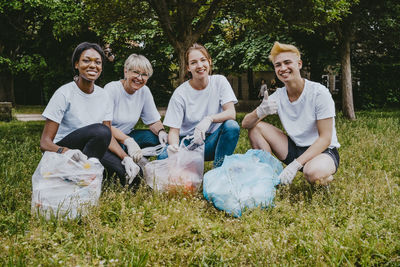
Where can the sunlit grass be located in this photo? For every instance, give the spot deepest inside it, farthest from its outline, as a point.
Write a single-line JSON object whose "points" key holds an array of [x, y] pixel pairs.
{"points": [[353, 222]]}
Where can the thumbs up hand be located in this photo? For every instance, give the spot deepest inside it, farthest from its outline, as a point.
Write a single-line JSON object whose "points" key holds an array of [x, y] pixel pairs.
{"points": [[267, 107]]}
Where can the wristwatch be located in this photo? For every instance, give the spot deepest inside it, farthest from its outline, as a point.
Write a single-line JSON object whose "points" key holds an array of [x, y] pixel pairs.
{"points": [[60, 150], [162, 129]]}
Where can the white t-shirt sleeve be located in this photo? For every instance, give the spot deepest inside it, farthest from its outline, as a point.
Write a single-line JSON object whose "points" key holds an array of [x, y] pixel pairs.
{"points": [[56, 107], [325, 106], [227, 94], [109, 108], [175, 112], [111, 95], [149, 112]]}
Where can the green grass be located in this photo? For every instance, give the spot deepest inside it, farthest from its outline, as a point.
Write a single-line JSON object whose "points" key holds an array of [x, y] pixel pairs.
{"points": [[354, 222], [28, 109]]}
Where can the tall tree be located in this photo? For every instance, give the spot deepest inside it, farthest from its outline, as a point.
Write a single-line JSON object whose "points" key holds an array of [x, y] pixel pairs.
{"points": [[345, 35], [182, 22]]}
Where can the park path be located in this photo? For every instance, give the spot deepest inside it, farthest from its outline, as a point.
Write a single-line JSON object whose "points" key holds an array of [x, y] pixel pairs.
{"points": [[38, 117]]}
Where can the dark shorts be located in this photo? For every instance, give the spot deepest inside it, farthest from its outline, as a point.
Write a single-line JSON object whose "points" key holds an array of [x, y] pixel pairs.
{"points": [[296, 151]]}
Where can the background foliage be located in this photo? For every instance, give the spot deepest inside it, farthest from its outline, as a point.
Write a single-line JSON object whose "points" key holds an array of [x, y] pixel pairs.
{"points": [[38, 37]]}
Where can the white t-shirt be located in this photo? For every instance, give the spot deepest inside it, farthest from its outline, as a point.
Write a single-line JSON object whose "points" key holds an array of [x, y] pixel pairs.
{"points": [[299, 118], [188, 106], [72, 109], [127, 109]]}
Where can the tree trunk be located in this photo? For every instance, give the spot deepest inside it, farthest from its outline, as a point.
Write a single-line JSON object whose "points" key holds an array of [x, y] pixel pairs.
{"points": [[250, 82], [181, 60], [7, 87], [347, 89]]}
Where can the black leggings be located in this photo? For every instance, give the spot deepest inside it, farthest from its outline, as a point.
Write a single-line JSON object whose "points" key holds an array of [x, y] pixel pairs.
{"points": [[93, 140], [112, 163]]}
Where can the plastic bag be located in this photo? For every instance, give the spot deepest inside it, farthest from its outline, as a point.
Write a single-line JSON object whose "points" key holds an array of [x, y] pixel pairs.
{"points": [[65, 188], [182, 171], [243, 182]]}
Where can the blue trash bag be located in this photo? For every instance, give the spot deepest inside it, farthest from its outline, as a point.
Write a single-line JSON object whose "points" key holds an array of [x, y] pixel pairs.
{"points": [[244, 181]]}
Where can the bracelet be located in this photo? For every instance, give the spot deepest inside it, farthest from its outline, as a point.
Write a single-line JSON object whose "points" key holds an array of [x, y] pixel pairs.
{"points": [[60, 150], [162, 129]]}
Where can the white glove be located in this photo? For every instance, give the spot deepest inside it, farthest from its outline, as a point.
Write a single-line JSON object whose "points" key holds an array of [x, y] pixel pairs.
{"points": [[267, 107], [76, 155], [172, 149], [131, 169], [133, 148], [289, 172], [200, 130], [162, 137]]}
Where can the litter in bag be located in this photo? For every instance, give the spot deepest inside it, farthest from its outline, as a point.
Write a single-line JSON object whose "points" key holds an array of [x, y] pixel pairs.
{"points": [[65, 188], [244, 181], [182, 171]]}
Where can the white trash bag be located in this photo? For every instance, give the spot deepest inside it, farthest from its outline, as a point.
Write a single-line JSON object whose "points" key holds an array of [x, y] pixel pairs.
{"points": [[183, 171], [65, 188]]}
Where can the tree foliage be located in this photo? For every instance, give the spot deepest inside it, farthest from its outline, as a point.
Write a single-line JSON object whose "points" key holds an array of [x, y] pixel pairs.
{"points": [[26, 29], [38, 36]]}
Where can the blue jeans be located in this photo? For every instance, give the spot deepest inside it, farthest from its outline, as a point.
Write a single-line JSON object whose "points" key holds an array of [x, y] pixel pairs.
{"points": [[144, 138], [222, 142]]}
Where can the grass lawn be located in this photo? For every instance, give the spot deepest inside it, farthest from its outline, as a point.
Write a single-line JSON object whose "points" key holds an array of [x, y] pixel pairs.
{"points": [[353, 222], [29, 109]]}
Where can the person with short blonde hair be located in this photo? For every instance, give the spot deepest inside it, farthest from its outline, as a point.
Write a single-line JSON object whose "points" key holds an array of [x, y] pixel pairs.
{"points": [[132, 100], [307, 112], [278, 48]]}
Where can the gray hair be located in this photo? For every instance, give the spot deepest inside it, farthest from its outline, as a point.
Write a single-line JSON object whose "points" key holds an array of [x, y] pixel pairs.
{"points": [[138, 62]]}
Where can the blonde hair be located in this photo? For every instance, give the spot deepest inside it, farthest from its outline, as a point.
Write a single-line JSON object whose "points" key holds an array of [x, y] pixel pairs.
{"points": [[281, 48], [138, 62]]}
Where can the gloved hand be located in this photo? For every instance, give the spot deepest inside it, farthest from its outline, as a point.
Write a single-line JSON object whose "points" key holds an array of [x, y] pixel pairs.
{"points": [[134, 150], [267, 107], [200, 130], [162, 137], [289, 172], [131, 169], [76, 155], [172, 149]]}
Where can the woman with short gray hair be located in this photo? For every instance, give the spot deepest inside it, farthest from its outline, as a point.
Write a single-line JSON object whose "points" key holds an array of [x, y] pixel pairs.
{"points": [[132, 100]]}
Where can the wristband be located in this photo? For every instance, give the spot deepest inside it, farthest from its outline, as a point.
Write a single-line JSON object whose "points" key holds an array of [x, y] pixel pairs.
{"points": [[60, 150]]}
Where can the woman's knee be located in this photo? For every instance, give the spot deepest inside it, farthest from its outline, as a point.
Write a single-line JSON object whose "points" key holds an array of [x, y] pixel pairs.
{"points": [[101, 131], [314, 173], [231, 126]]}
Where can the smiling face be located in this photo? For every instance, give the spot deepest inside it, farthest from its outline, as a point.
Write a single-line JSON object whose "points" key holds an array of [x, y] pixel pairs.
{"points": [[89, 65], [287, 66], [134, 80], [198, 64]]}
